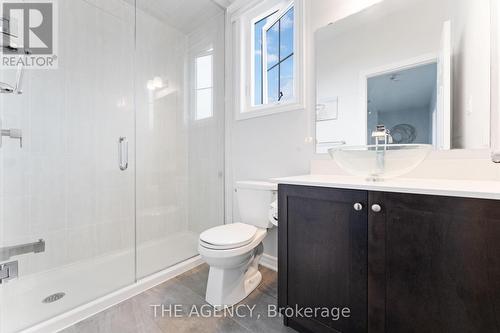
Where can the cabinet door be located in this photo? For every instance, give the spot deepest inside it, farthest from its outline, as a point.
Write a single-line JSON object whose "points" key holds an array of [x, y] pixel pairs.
{"points": [[323, 255], [442, 264]]}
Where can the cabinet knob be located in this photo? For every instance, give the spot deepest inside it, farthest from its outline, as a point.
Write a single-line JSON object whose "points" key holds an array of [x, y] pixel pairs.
{"points": [[376, 208], [358, 207]]}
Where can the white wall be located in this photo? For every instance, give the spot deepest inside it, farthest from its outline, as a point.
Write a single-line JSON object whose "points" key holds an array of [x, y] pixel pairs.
{"points": [[495, 78], [471, 74]]}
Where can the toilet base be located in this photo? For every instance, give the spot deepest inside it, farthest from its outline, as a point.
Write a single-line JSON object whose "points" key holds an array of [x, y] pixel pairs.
{"points": [[229, 286]]}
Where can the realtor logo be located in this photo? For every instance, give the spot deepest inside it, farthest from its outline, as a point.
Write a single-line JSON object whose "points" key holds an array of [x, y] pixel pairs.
{"points": [[29, 31]]}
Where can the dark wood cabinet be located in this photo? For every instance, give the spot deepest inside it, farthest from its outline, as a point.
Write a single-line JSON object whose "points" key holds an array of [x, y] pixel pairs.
{"points": [[421, 264], [438, 263], [323, 255]]}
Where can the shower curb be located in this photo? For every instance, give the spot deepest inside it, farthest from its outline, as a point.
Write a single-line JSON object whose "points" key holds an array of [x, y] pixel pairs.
{"points": [[87, 310]]}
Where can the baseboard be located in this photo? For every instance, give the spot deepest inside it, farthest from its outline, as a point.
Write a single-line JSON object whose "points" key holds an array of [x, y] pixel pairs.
{"points": [[88, 310], [269, 262]]}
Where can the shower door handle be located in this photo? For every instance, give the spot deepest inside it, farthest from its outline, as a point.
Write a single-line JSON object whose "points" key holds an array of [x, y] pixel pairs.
{"points": [[123, 153]]}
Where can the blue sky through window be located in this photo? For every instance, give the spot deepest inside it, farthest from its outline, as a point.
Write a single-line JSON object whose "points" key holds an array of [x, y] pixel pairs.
{"points": [[279, 67], [258, 71]]}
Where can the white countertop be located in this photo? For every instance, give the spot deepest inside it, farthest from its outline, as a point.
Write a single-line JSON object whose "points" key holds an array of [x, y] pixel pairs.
{"points": [[455, 188]]}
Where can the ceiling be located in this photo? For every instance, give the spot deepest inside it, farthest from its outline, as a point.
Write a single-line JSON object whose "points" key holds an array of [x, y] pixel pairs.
{"points": [[184, 15], [408, 89]]}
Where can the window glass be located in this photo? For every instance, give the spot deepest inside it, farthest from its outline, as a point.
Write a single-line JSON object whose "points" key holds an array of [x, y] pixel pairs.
{"points": [[280, 60], [273, 84], [286, 34], [204, 72], [203, 103], [258, 84], [286, 79], [279, 67], [204, 87], [273, 42]]}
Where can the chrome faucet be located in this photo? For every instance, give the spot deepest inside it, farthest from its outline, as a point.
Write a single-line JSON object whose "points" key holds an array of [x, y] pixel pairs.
{"points": [[381, 134]]}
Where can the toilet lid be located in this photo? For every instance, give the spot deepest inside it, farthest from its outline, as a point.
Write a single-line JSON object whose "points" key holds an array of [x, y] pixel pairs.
{"points": [[229, 235]]}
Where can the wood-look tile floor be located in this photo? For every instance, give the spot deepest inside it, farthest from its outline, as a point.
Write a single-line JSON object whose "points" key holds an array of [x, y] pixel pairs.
{"points": [[138, 315]]}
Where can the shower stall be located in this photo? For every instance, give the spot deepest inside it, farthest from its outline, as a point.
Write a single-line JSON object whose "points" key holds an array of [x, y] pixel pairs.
{"points": [[122, 158]]}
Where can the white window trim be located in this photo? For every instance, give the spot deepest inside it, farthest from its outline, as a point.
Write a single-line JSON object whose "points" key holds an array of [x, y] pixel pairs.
{"points": [[242, 21]]}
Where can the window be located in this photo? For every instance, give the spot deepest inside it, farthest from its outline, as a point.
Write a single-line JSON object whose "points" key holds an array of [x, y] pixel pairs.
{"points": [[204, 86], [258, 83], [273, 49], [267, 41], [278, 46]]}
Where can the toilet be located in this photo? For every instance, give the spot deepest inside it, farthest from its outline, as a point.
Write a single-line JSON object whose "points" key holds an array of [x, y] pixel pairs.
{"points": [[233, 250]]}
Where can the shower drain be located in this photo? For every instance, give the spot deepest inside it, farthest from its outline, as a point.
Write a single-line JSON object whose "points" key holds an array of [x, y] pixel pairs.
{"points": [[53, 298]]}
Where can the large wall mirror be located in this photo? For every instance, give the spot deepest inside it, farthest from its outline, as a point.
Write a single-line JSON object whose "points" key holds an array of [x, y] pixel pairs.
{"points": [[420, 68]]}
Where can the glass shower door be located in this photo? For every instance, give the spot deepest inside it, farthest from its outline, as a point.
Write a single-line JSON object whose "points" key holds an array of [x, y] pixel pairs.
{"points": [[69, 185], [180, 130]]}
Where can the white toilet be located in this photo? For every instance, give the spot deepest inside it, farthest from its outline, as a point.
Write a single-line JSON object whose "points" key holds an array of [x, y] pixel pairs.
{"points": [[233, 250]]}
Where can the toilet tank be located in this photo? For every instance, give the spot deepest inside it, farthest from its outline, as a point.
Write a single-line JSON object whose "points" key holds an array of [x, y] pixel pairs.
{"points": [[254, 200]]}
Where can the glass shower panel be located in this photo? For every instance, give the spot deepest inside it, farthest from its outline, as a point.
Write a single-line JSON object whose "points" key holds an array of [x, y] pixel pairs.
{"points": [[180, 156], [65, 185]]}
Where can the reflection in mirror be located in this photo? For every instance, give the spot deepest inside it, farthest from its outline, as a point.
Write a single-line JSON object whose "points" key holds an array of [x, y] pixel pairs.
{"points": [[392, 64], [405, 103]]}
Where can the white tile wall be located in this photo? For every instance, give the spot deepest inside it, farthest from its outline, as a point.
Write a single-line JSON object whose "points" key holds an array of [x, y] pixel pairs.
{"points": [[161, 132], [64, 185], [179, 161], [206, 137]]}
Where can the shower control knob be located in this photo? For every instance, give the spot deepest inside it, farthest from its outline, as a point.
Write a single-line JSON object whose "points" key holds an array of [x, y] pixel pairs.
{"points": [[13, 133], [358, 207], [376, 208]]}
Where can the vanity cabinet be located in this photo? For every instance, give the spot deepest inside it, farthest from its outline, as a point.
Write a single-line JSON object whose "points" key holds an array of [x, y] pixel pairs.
{"points": [[399, 262], [323, 254]]}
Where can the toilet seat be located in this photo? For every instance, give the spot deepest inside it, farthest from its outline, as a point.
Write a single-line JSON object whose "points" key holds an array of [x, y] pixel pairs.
{"points": [[228, 236]]}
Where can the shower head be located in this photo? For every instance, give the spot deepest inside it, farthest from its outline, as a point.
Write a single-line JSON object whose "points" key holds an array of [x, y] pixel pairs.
{"points": [[6, 88]]}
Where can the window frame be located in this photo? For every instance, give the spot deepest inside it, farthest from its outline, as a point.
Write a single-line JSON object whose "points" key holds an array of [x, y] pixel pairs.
{"points": [[269, 13], [242, 46], [278, 16]]}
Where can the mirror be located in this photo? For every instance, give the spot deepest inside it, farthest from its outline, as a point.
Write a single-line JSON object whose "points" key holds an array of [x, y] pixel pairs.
{"points": [[405, 102], [420, 68]]}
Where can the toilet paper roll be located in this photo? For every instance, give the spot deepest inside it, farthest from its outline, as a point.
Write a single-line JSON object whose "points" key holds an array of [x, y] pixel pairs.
{"points": [[273, 213]]}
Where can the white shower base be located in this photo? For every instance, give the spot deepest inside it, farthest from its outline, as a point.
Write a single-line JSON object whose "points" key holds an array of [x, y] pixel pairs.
{"points": [[21, 300]]}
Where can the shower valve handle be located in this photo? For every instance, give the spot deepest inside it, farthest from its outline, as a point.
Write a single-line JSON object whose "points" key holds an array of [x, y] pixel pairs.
{"points": [[13, 133]]}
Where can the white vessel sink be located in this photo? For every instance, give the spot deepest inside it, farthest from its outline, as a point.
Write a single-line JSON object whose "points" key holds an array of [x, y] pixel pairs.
{"points": [[380, 162]]}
